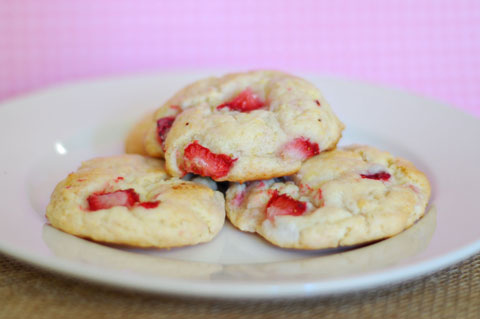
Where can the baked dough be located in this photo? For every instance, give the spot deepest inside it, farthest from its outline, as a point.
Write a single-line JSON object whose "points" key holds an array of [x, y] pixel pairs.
{"points": [[243, 127], [343, 197], [130, 200]]}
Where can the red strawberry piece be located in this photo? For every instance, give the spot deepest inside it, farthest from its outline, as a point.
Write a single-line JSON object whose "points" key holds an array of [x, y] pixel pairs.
{"points": [[118, 179], [320, 198], [163, 126], [200, 160], [246, 101], [300, 148], [148, 205], [261, 184], [317, 102], [383, 176], [176, 108], [238, 199], [127, 198], [284, 205]]}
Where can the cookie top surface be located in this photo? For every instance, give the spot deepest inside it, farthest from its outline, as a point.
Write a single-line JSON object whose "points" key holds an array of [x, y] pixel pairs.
{"points": [[243, 127], [131, 200], [343, 197]]}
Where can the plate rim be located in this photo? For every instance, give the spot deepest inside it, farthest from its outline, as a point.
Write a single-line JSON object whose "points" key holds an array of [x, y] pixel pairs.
{"points": [[265, 291], [203, 289]]}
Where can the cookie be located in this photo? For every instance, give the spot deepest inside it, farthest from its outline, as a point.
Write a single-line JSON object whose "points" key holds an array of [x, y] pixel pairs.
{"points": [[134, 140], [242, 127], [343, 197], [130, 200]]}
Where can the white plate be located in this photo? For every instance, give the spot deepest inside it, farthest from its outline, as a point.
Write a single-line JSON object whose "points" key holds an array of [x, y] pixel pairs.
{"points": [[46, 135]]}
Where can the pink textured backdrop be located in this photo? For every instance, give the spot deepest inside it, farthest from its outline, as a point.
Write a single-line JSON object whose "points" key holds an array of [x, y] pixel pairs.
{"points": [[429, 47]]}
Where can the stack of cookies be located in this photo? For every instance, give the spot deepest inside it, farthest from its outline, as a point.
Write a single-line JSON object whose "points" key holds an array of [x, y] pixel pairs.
{"points": [[269, 139]]}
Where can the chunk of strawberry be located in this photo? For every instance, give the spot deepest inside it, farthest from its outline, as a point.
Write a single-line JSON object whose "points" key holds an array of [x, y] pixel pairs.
{"points": [[300, 148], [200, 160], [284, 205], [127, 198], [246, 101], [382, 176], [177, 108], [163, 126], [149, 205], [239, 197]]}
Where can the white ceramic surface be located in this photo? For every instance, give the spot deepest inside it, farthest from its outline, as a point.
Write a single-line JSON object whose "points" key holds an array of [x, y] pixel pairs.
{"points": [[46, 135]]}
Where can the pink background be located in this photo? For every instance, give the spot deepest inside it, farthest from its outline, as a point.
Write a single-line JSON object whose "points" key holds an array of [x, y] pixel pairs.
{"points": [[428, 47]]}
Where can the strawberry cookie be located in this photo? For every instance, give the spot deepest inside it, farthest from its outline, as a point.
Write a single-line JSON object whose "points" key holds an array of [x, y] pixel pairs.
{"points": [[130, 200], [343, 197], [134, 140], [242, 127]]}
